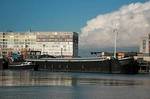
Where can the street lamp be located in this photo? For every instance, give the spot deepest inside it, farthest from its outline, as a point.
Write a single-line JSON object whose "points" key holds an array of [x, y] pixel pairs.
{"points": [[43, 48], [61, 50]]}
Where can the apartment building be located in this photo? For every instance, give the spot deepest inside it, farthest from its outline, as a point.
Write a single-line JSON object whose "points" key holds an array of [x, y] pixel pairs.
{"points": [[50, 43]]}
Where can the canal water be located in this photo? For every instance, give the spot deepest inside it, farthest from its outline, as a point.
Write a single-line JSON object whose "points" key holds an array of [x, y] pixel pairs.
{"points": [[58, 85]]}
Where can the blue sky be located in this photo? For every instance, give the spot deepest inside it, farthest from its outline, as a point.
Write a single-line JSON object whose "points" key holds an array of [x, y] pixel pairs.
{"points": [[54, 15]]}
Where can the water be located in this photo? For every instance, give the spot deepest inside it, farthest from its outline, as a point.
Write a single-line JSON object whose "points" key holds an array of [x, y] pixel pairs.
{"points": [[58, 85]]}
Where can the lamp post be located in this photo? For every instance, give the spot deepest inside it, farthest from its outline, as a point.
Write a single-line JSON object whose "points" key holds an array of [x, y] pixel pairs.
{"points": [[43, 49], [61, 51]]}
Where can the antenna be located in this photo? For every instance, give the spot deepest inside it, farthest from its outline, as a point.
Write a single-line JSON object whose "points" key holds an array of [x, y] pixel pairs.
{"points": [[30, 30]]}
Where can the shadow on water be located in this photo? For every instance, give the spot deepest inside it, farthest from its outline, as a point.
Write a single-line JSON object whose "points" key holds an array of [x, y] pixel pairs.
{"points": [[40, 78]]}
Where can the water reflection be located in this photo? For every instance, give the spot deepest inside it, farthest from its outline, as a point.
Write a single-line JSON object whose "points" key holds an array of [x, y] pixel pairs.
{"points": [[32, 78]]}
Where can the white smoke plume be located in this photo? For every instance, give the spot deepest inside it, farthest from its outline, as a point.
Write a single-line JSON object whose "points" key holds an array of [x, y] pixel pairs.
{"points": [[131, 21]]}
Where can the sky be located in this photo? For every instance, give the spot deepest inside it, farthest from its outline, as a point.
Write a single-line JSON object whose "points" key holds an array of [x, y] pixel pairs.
{"points": [[130, 22], [93, 19], [53, 15]]}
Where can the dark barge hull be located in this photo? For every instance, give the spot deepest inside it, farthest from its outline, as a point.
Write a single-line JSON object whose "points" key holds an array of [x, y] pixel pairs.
{"points": [[20, 67], [126, 66]]}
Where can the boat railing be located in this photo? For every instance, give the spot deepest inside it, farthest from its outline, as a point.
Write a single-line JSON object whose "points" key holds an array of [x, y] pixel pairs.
{"points": [[69, 59]]}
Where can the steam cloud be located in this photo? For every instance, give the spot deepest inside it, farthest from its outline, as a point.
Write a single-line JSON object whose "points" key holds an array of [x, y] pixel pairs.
{"points": [[131, 21]]}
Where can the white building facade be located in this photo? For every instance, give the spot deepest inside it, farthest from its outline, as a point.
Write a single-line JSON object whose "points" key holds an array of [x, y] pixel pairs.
{"points": [[50, 43], [145, 46]]}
